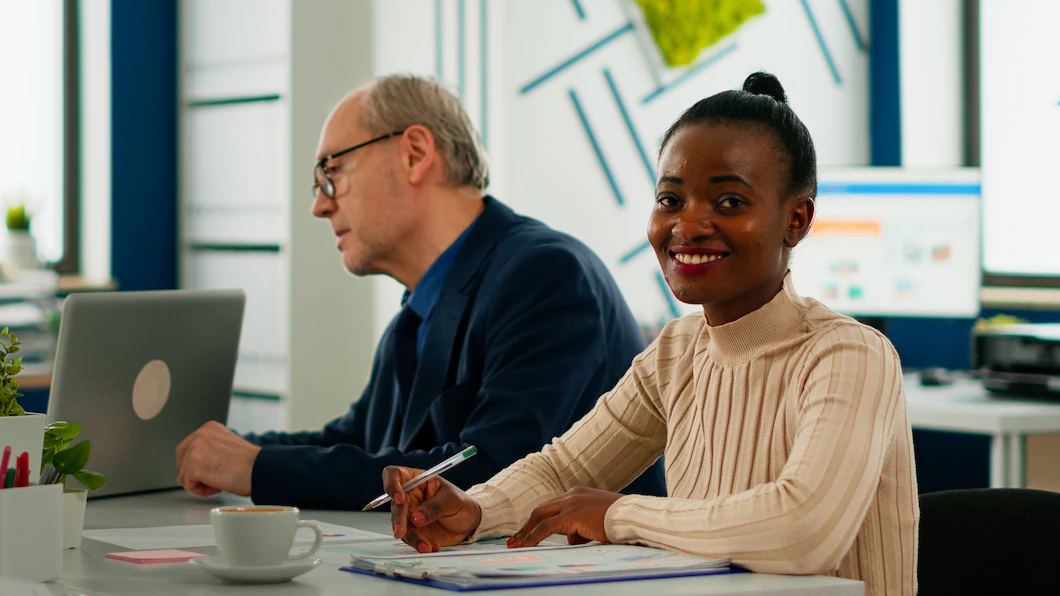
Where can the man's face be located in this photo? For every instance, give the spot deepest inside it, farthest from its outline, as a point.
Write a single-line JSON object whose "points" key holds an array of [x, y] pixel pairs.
{"points": [[370, 214]]}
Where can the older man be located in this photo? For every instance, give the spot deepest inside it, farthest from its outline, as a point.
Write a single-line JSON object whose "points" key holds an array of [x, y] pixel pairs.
{"points": [[508, 333]]}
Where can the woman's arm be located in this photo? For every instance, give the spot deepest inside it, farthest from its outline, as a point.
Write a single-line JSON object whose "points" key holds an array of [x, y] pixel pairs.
{"points": [[607, 449], [806, 520]]}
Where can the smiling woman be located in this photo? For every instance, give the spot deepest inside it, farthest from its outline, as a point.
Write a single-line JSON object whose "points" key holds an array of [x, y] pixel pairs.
{"points": [[783, 424], [725, 222]]}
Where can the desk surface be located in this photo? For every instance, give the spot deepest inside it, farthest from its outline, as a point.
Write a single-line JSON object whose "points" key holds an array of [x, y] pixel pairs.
{"points": [[966, 407], [87, 572]]}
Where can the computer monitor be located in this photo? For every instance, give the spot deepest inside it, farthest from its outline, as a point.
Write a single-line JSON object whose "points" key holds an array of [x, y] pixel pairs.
{"points": [[894, 242], [139, 371]]}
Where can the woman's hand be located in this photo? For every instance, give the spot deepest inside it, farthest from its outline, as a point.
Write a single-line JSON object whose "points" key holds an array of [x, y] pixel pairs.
{"points": [[579, 514], [432, 515]]}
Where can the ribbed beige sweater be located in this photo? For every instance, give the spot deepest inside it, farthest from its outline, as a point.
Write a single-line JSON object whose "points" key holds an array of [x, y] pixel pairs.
{"points": [[787, 445]]}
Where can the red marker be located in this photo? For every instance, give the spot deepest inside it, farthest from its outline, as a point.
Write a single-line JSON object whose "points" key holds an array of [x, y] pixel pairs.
{"points": [[22, 470], [6, 460]]}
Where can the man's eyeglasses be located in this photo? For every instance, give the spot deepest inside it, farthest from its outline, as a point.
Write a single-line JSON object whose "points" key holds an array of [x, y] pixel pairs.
{"points": [[322, 180]]}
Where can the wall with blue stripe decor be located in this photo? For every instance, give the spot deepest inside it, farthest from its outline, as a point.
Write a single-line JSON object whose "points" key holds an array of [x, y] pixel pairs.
{"points": [[573, 97]]}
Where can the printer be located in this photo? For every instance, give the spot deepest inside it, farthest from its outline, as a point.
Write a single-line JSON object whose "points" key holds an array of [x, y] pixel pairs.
{"points": [[1022, 358]]}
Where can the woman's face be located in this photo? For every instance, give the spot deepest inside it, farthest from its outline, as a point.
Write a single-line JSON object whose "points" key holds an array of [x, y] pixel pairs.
{"points": [[723, 222]]}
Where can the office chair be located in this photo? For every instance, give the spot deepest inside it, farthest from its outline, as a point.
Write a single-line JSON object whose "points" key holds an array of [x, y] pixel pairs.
{"points": [[989, 541]]}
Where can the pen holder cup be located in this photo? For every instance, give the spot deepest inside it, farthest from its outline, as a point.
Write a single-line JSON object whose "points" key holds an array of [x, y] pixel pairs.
{"points": [[31, 532]]}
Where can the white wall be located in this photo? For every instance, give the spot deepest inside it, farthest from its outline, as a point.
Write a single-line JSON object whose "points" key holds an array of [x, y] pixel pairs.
{"points": [[931, 67], [543, 162], [31, 118], [94, 29]]}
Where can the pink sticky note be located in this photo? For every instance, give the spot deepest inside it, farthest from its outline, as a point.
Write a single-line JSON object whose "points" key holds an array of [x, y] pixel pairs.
{"points": [[155, 556]]}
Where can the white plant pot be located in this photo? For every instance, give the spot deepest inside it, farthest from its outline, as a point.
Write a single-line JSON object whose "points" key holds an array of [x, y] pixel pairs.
{"points": [[24, 433], [21, 249], [74, 502]]}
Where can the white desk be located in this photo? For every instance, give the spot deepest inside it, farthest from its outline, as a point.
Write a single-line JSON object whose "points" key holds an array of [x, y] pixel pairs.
{"points": [[87, 572], [966, 407]]}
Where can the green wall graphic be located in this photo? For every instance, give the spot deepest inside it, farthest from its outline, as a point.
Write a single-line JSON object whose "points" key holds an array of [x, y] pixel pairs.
{"points": [[682, 28]]}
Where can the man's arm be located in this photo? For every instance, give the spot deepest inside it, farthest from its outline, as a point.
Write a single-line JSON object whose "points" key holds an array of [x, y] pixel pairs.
{"points": [[347, 429], [542, 344]]}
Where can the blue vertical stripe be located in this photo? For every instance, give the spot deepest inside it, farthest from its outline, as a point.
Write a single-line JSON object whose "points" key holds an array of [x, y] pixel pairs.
{"points": [[885, 89], [461, 47], [648, 167], [438, 39], [484, 67], [628, 27], [578, 9], [820, 42], [629, 256], [143, 116], [853, 24], [667, 294], [688, 74], [596, 148]]}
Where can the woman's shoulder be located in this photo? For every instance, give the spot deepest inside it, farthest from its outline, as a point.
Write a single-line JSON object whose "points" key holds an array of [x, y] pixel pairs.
{"points": [[676, 340], [682, 331], [828, 330]]}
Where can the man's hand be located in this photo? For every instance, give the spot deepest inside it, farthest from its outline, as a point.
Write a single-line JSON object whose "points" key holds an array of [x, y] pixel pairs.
{"points": [[214, 459], [432, 515], [578, 513]]}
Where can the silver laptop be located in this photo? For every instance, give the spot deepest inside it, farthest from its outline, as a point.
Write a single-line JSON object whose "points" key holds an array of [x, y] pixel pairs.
{"points": [[139, 371]]}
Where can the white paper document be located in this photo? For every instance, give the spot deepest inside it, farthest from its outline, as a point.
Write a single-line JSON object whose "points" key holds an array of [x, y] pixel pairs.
{"points": [[396, 549], [503, 567], [202, 535]]}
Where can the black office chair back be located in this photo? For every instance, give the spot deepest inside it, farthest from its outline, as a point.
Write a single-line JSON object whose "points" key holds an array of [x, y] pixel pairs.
{"points": [[989, 541]]}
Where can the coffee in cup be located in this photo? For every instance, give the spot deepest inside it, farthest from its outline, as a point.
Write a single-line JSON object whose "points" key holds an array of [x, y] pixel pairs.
{"points": [[260, 536]]}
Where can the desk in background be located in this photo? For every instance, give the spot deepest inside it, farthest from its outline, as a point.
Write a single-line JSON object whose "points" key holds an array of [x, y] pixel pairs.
{"points": [[85, 570], [966, 407]]}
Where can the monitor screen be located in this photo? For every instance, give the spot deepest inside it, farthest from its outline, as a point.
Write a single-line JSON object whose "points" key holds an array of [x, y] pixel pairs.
{"points": [[893, 242]]}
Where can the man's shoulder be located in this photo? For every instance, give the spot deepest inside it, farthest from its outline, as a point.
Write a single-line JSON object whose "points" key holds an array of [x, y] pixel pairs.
{"points": [[531, 242]]}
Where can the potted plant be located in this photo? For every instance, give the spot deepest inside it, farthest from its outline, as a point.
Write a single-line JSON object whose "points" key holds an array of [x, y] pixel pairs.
{"points": [[23, 431], [58, 462], [21, 247]]}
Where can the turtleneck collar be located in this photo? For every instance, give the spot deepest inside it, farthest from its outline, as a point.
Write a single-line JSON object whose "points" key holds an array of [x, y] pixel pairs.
{"points": [[752, 334]]}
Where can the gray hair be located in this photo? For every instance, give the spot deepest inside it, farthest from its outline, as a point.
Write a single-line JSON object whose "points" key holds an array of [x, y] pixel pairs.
{"points": [[396, 102]]}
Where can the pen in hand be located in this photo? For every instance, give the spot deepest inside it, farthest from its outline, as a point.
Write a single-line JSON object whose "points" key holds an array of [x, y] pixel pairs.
{"points": [[425, 476]]}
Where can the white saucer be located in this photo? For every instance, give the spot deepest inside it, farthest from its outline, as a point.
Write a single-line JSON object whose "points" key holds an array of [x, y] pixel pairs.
{"points": [[284, 572]]}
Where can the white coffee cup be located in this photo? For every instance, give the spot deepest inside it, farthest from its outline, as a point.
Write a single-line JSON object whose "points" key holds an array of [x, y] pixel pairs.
{"points": [[260, 536]]}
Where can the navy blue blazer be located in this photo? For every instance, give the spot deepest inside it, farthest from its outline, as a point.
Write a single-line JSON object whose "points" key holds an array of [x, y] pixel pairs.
{"points": [[528, 331]]}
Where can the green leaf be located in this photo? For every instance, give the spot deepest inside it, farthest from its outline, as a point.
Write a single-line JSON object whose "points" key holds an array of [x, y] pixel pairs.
{"points": [[72, 460], [46, 458], [65, 430], [14, 349], [91, 480]]}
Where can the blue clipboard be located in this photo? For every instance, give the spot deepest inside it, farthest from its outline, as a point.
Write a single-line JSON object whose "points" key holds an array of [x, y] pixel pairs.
{"points": [[537, 582]]}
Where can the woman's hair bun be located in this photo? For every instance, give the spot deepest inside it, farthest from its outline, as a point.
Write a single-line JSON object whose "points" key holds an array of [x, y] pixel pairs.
{"points": [[763, 83]]}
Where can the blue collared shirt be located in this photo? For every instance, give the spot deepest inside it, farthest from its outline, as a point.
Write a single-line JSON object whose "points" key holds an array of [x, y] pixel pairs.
{"points": [[425, 295]]}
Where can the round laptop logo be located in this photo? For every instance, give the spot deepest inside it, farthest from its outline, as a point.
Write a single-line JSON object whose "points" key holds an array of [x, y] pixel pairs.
{"points": [[151, 390]]}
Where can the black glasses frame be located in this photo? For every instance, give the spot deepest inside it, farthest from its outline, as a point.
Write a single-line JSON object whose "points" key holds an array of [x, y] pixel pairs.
{"points": [[322, 181]]}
